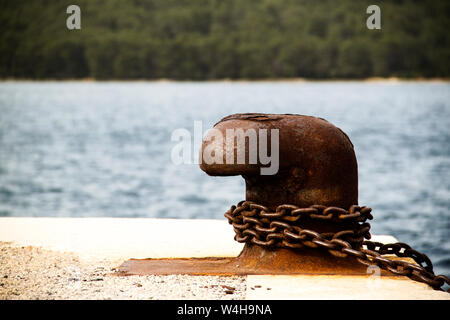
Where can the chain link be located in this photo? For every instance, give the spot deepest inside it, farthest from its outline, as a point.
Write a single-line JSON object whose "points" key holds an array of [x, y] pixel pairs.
{"points": [[254, 223]]}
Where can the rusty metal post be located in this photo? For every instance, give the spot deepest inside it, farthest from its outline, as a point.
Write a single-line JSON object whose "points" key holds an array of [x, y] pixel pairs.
{"points": [[295, 219], [317, 165]]}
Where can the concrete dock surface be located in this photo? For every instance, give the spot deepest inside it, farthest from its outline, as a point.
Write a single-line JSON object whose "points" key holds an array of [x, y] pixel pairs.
{"points": [[75, 258]]}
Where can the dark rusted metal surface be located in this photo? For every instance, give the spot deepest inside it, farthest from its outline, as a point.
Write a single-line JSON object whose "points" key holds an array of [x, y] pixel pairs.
{"points": [[253, 259]]}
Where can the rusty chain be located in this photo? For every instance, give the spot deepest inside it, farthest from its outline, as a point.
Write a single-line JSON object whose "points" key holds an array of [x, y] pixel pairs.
{"points": [[254, 223]]}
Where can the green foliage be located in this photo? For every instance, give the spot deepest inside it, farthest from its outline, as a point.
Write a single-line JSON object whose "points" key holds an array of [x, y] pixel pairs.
{"points": [[216, 39]]}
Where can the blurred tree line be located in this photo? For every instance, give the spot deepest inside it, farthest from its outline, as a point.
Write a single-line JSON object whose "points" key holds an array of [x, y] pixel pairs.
{"points": [[216, 39]]}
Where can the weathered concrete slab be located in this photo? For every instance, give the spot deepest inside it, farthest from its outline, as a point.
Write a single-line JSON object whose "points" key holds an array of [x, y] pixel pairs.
{"points": [[318, 287], [123, 238]]}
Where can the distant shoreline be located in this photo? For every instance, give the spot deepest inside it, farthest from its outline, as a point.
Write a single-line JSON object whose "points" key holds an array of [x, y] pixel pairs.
{"points": [[371, 79]]}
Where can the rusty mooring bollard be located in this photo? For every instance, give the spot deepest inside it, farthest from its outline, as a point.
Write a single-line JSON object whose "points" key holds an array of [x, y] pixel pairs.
{"points": [[304, 218], [317, 166]]}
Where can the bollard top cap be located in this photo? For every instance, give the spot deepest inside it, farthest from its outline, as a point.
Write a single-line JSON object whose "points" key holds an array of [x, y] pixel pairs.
{"points": [[317, 162]]}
